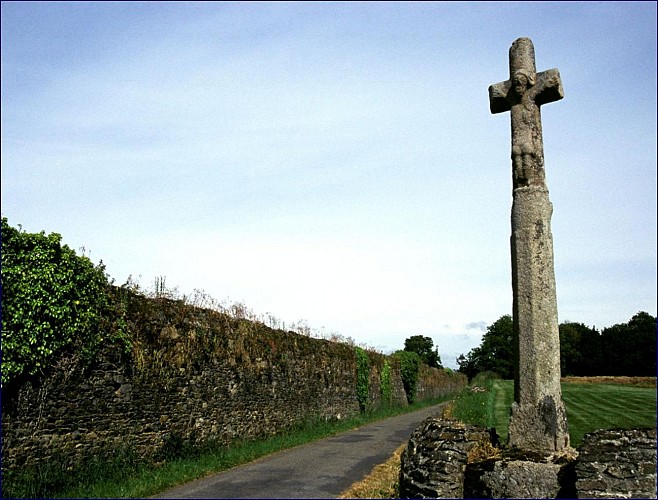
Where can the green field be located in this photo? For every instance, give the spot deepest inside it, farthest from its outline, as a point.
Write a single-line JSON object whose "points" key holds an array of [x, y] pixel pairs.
{"points": [[589, 407]]}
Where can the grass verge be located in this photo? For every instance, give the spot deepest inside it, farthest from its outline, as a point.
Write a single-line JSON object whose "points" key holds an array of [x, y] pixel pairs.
{"points": [[127, 476], [477, 403], [382, 482]]}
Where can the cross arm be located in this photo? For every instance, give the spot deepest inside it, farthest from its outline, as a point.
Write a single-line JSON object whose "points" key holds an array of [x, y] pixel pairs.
{"points": [[548, 88], [498, 97]]}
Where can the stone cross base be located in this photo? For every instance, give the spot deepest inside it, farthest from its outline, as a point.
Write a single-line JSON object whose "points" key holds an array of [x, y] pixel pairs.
{"points": [[508, 478], [448, 459], [541, 428]]}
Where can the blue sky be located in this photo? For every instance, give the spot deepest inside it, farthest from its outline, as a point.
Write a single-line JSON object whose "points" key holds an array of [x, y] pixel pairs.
{"points": [[334, 162]]}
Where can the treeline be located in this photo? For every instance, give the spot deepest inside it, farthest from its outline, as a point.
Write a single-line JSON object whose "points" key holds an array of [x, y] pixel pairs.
{"points": [[625, 349]]}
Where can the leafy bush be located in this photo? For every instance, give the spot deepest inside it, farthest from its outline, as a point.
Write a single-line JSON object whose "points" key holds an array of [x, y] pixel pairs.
{"points": [[496, 353], [386, 386], [362, 377], [52, 300], [409, 367]]}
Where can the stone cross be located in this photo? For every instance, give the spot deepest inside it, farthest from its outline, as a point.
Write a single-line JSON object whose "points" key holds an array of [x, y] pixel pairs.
{"points": [[538, 419]]}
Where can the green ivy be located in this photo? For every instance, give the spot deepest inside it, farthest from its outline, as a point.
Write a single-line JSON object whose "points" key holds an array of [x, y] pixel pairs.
{"points": [[362, 377], [385, 386], [409, 367], [52, 300]]}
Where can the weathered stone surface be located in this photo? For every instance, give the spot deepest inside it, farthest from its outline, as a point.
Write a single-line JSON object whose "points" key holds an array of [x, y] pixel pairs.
{"points": [[538, 419], [434, 461], [510, 478], [617, 464]]}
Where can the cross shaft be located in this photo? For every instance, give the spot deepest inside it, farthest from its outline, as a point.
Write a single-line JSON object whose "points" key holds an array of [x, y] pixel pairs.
{"points": [[538, 419]]}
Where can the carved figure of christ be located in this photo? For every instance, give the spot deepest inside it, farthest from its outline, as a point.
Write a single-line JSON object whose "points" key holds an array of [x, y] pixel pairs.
{"points": [[523, 94]]}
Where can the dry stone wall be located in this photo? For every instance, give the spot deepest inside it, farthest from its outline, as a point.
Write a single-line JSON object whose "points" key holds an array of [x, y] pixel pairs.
{"points": [[434, 383], [434, 461], [617, 463], [193, 375], [448, 459]]}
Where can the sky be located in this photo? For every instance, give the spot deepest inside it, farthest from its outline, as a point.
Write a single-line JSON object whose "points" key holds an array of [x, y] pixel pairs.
{"points": [[334, 163]]}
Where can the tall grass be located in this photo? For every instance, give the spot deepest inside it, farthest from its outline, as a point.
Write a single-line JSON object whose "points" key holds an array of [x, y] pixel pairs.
{"points": [[127, 476], [476, 404]]}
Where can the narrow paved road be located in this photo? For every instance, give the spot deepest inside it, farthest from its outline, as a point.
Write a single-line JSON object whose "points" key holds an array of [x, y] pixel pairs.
{"points": [[322, 469]]}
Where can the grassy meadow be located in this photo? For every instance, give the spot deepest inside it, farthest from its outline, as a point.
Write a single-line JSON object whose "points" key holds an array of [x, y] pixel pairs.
{"points": [[590, 405]]}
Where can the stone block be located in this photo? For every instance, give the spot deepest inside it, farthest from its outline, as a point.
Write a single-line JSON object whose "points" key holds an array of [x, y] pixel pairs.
{"points": [[617, 463], [510, 478], [434, 461]]}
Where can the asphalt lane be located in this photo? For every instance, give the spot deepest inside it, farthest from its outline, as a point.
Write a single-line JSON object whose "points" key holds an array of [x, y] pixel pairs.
{"points": [[321, 469]]}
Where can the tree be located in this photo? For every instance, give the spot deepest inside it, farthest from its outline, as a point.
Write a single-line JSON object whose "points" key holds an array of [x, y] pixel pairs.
{"points": [[424, 347], [580, 350], [496, 353], [630, 348], [570, 356], [624, 349], [468, 364]]}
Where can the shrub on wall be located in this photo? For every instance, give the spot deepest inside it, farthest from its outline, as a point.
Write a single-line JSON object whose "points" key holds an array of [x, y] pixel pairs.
{"points": [[51, 299], [386, 386], [362, 377], [409, 367]]}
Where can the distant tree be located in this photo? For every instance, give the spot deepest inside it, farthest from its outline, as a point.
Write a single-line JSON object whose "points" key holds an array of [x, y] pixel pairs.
{"points": [[496, 353], [468, 364], [580, 350], [569, 349], [498, 347], [424, 347], [624, 349], [630, 348]]}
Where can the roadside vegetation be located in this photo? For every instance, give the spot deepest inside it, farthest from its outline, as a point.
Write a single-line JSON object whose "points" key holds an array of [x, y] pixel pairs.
{"points": [[381, 482], [59, 310]]}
